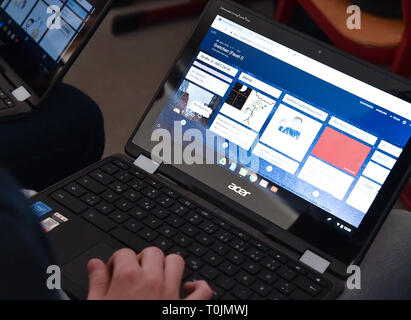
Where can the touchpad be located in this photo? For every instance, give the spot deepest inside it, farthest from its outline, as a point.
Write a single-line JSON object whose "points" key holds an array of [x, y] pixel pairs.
{"points": [[76, 270]]}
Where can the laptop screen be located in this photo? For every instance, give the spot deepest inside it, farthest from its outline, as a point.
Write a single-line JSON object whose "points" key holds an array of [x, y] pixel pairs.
{"points": [[288, 123], [39, 36]]}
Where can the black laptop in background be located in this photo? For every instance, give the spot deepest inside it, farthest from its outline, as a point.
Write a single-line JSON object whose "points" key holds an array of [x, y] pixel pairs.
{"points": [[39, 40], [306, 155]]}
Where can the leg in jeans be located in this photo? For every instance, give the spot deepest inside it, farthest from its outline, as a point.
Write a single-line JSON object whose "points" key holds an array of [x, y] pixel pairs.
{"points": [[385, 270], [60, 137]]}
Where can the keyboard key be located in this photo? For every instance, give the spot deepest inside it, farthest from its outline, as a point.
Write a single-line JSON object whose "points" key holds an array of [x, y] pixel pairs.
{"points": [[131, 195], [205, 239], [91, 199], [3, 95], [251, 267], [194, 263], [193, 218], [129, 239], [197, 249], [69, 201], [187, 203], [151, 193], [179, 209], [163, 244], [223, 236], [212, 259], [167, 231], [225, 282], [91, 185], [110, 168], [261, 288], [76, 190], [133, 225], [110, 196], [228, 268], [260, 246], [9, 103], [121, 164], [277, 295], [146, 204], [284, 286], [160, 213], [148, 235], [297, 267], [165, 201], [102, 177], [221, 249], [241, 293], [307, 285], [118, 187], [189, 230], [222, 224], [204, 213], [270, 263], [182, 240], [175, 222], [118, 217], [209, 273], [267, 276], [317, 279], [104, 208], [245, 278], [137, 185], [254, 254], [138, 213], [123, 176], [138, 174], [124, 205], [240, 234], [286, 273], [152, 222], [239, 245], [279, 256], [235, 258], [98, 220], [208, 227], [153, 183], [170, 193]]}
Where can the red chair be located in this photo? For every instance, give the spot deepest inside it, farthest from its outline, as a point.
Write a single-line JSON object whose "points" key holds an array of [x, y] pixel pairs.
{"points": [[380, 40]]}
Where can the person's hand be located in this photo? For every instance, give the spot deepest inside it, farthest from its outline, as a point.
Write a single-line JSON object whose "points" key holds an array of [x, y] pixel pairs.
{"points": [[148, 275]]}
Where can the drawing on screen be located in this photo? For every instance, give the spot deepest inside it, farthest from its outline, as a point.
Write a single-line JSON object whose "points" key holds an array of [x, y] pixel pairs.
{"points": [[248, 106], [195, 103], [293, 131]]}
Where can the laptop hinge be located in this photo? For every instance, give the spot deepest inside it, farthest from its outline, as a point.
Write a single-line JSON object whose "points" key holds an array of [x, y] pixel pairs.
{"points": [[314, 261], [146, 164], [21, 94]]}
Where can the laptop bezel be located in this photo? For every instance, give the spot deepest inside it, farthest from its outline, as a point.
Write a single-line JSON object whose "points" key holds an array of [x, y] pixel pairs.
{"points": [[330, 56]]}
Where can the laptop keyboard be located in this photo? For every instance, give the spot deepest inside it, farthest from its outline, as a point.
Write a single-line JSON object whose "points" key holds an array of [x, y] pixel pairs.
{"points": [[139, 211], [5, 101]]}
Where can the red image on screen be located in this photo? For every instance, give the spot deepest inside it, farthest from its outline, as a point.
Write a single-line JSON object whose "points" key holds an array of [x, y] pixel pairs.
{"points": [[341, 151]]}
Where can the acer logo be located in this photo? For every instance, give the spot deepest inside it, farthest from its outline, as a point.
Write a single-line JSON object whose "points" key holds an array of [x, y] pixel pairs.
{"points": [[237, 189]]}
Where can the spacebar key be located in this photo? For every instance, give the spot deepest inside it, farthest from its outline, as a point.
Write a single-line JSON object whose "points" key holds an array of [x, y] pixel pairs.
{"points": [[129, 239]]}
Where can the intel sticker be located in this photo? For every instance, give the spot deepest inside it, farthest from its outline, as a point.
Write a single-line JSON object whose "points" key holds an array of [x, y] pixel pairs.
{"points": [[40, 208]]}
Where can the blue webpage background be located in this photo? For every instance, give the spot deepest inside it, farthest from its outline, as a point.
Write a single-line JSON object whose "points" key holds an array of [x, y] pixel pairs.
{"points": [[314, 91]]}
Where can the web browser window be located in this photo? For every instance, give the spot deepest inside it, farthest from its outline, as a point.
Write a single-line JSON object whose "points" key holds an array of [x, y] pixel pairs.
{"points": [[318, 133]]}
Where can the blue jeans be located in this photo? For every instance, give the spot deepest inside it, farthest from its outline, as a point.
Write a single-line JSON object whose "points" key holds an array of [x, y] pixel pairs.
{"points": [[60, 137]]}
